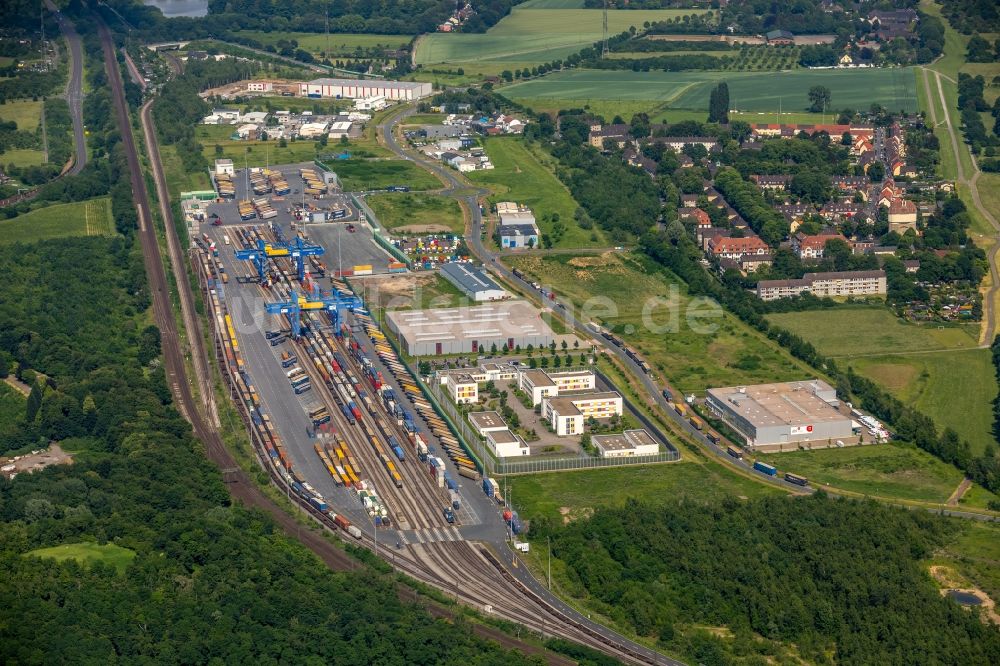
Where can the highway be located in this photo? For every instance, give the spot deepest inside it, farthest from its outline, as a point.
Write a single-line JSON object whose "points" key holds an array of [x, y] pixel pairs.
{"points": [[74, 88]]}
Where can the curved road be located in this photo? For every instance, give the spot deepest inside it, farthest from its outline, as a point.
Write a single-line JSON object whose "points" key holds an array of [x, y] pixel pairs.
{"points": [[74, 88], [566, 312]]}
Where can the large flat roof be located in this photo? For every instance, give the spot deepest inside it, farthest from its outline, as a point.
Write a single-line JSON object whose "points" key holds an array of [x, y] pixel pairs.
{"points": [[501, 319], [504, 436], [370, 83], [471, 279], [538, 378], [789, 403]]}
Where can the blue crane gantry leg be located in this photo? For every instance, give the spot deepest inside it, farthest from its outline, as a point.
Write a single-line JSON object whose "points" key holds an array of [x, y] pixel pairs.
{"points": [[297, 250], [334, 304]]}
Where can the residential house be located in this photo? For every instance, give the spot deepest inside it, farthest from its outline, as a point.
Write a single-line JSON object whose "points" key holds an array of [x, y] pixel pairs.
{"points": [[902, 215], [806, 246], [843, 283], [768, 182], [618, 134], [727, 247]]}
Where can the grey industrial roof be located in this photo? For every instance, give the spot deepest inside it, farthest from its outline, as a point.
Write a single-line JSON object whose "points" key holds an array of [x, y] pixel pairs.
{"points": [[484, 420], [471, 279], [788, 403], [371, 83]]}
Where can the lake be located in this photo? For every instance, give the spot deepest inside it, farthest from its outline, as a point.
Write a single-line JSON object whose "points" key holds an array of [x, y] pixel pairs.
{"points": [[172, 8], [965, 598]]}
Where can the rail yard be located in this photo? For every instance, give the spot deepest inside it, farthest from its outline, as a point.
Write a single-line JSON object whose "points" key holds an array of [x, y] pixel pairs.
{"points": [[340, 423]]}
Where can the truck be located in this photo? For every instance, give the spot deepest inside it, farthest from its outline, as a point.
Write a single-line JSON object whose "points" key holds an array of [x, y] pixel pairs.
{"points": [[449, 515], [288, 360], [456, 501], [696, 422], [796, 479], [713, 437], [667, 395], [734, 452], [761, 466], [302, 388]]}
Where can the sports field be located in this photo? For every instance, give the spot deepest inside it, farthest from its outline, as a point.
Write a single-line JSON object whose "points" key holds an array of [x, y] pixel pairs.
{"points": [[85, 218], [748, 91], [88, 553], [535, 33], [339, 44]]}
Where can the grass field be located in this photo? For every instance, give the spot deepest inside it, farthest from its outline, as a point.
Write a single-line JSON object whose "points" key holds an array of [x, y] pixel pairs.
{"points": [[85, 218], [520, 175], [178, 180], [867, 330], [689, 359], [88, 553], [11, 404], [262, 153], [26, 113], [22, 157], [888, 470], [566, 495], [417, 213], [340, 44], [939, 370], [954, 388], [425, 119], [356, 175], [749, 91], [533, 34]]}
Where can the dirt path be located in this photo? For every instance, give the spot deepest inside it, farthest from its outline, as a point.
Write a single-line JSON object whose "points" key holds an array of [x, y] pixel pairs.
{"points": [[963, 488], [989, 295], [18, 385]]}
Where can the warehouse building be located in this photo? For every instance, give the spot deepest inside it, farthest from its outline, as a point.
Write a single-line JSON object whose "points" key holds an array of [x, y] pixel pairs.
{"points": [[626, 444], [541, 384], [778, 417], [567, 414], [473, 282], [355, 88], [467, 329]]}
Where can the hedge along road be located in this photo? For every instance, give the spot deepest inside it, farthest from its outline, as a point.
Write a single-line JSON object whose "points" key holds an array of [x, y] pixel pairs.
{"points": [[564, 309]]}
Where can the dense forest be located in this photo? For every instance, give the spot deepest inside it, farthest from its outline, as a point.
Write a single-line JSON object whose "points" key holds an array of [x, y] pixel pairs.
{"points": [[828, 581], [970, 16], [209, 582]]}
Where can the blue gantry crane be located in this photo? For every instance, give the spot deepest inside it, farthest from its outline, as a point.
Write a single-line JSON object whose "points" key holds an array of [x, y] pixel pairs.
{"points": [[297, 250], [333, 304]]}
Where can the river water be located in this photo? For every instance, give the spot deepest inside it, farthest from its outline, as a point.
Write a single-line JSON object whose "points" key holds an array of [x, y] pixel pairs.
{"points": [[171, 8]]}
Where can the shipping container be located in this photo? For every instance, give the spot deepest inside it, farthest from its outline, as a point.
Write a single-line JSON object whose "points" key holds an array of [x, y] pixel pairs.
{"points": [[770, 470]]}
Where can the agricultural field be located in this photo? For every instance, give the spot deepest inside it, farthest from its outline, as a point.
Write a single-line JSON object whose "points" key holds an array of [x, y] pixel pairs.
{"points": [[567, 495], [533, 34], [26, 113], [84, 218], [334, 45], [749, 91], [615, 288], [417, 213], [868, 330], [88, 553], [888, 470], [519, 175]]}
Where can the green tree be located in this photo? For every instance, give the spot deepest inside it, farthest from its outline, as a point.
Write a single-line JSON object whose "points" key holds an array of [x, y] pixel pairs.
{"points": [[718, 104], [34, 402], [819, 98]]}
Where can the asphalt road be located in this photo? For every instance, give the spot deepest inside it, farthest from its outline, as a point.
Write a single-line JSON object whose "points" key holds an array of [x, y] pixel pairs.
{"points": [[565, 310], [74, 88], [476, 245]]}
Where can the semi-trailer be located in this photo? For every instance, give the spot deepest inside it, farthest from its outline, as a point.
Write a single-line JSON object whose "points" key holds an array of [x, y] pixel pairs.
{"points": [[796, 479], [761, 466], [734, 452]]}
